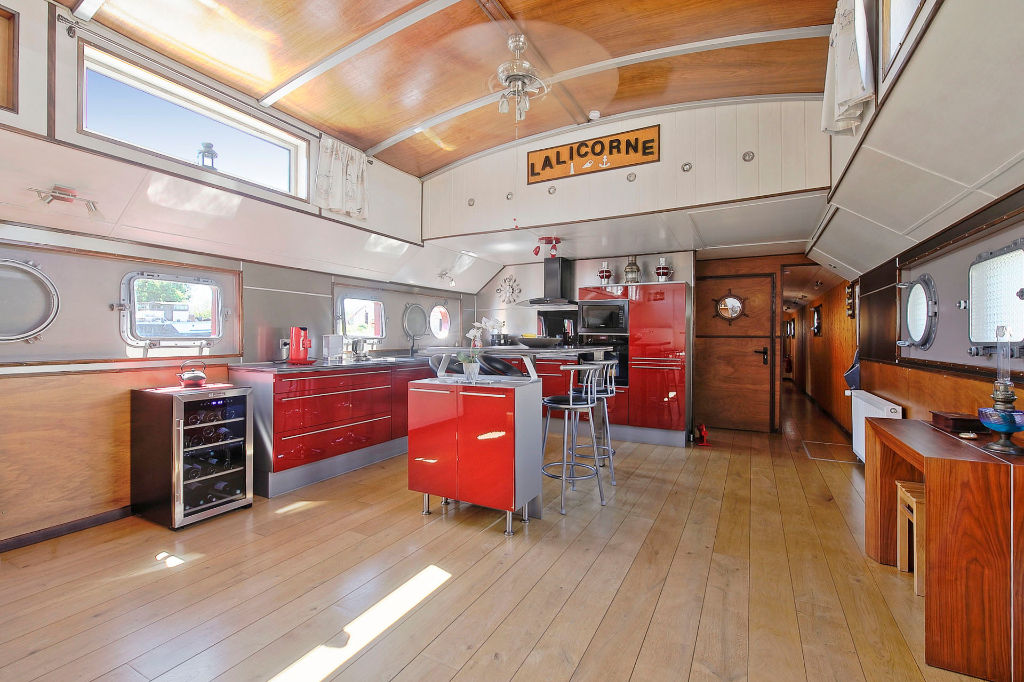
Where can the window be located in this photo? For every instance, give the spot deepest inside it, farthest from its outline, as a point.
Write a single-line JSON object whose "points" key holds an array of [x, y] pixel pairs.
{"points": [[8, 59], [440, 322], [362, 318], [131, 105], [897, 17], [170, 310], [996, 290]]}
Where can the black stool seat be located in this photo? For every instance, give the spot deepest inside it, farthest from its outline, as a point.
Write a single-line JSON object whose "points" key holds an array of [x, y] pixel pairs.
{"points": [[562, 401], [496, 366]]}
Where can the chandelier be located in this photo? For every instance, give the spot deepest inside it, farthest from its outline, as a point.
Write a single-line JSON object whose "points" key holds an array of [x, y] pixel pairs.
{"points": [[519, 78]]}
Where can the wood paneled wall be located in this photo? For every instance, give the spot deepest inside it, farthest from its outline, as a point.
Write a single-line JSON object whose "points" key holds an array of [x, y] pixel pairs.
{"points": [[756, 265], [831, 354], [64, 444], [8, 59]]}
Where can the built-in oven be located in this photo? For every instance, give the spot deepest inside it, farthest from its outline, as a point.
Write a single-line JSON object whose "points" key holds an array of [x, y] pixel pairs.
{"points": [[604, 317], [620, 352]]}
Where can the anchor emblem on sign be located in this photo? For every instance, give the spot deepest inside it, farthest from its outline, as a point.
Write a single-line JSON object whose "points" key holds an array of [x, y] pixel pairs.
{"points": [[604, 162]]}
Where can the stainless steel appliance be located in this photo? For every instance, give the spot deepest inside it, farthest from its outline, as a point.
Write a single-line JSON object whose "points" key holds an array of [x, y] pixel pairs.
{"points": [[620, 352], [191, 452], [559, 286], [604, 317]]}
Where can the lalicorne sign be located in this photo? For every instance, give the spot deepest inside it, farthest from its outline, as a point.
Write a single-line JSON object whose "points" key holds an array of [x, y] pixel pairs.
{"points": [[631, 148]]}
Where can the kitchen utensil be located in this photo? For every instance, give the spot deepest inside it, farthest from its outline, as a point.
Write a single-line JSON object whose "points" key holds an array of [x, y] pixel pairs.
{"points": [[298, 346], [192, 378]]}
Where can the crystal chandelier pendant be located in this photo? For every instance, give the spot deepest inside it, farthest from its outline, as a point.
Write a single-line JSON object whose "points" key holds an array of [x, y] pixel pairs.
{"points": [[519, 78]]}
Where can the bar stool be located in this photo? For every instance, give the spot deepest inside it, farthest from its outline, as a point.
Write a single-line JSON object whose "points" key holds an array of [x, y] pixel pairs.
{"points": [[603, 450], [911, 514], [572, 406]]}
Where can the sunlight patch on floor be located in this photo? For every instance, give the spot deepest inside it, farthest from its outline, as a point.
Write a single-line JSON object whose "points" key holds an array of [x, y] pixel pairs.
{"points": [[296, 506], [322, 661]]}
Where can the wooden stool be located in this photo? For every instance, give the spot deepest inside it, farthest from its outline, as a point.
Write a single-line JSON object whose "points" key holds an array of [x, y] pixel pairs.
{"points": [[910, 501]]}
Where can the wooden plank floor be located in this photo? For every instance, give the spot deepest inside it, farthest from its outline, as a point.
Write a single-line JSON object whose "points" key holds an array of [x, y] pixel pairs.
{"points": [[739, 561]]}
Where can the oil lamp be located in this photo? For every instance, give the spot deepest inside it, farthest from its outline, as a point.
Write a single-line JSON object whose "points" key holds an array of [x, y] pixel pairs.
{"points": [[1001, 417]]}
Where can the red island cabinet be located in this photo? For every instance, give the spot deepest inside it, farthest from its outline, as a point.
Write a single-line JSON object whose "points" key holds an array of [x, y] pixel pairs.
{"points": [[657, 356], [476, 443]]}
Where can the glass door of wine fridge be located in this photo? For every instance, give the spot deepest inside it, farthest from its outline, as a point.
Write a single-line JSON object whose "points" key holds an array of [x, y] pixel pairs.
{"points": [[191, 452], [213, 455]]}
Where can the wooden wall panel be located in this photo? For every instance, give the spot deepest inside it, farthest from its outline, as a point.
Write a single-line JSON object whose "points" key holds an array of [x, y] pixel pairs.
{"points": [[8, 59], [749, 266], [65, 444], [831, 354]]}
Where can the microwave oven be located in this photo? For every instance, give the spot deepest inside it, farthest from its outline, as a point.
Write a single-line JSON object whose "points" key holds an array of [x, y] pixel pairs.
{"points": [[604, 317]]}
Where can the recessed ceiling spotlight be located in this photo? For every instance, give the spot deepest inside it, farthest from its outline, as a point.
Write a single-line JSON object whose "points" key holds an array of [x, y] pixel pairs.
{"points": [[594, 114]]}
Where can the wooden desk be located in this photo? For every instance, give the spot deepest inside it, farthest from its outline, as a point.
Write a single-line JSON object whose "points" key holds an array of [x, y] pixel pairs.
{"points": [[974, 542]]}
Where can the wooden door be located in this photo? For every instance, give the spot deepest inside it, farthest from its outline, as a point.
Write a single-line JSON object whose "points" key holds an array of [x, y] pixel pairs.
{"points": [[734, 362]]}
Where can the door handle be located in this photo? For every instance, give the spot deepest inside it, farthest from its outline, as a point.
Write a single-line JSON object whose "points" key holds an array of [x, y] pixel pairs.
{"points": [[764, 355]]}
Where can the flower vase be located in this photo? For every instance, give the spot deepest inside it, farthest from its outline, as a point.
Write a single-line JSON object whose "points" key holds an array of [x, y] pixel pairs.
{"points": [[471, 370]]}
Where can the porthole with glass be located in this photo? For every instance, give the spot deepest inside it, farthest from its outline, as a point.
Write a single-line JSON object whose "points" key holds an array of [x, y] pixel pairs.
{"points": [[729, 307], [920, 312], [440, 322], [28, 301]]}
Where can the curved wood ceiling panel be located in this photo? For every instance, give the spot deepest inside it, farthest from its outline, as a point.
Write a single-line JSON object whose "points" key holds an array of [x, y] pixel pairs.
{"points": [[434, 65], [793, 66], [622, 28], [250, 45], [470, 133]]}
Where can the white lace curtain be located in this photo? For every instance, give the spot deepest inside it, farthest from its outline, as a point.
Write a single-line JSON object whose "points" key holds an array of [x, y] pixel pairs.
{"points": [[849, 78], [341, 178]]}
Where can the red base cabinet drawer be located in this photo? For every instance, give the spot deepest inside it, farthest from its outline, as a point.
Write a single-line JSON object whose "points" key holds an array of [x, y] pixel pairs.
{"points": [[323, 381], [296, 412], [294, 450], [433, 428], [487, 447]]}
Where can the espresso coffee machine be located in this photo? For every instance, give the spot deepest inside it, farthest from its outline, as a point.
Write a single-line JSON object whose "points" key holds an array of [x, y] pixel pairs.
{"points": [[299, 344]]}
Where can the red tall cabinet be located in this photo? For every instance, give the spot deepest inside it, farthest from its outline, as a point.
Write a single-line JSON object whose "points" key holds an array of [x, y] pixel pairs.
{"points": [[657, 355]]}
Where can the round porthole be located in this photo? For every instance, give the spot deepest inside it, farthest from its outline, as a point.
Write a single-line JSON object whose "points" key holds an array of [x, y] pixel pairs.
{"points": [[440, 322], [28, 301], [729, 307], [920, 312]]}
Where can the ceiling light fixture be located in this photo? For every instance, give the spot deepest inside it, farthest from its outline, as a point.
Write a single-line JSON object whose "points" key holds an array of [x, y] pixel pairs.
{"points": [[519, 78], [552, 242], [446, 276], [66, 195]]}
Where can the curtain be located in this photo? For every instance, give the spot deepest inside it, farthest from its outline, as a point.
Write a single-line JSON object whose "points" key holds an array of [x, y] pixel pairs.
{"points": [[849, 78], [341, 179]]}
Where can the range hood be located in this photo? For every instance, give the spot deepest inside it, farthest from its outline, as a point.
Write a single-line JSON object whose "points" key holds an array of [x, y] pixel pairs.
{"points": [[559, 286]]}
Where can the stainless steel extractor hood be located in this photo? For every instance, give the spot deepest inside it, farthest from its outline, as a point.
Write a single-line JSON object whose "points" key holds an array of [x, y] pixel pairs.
{"points": [[559, 286]]}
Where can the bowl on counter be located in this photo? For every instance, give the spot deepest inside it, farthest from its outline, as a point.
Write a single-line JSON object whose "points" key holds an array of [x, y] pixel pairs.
{"points": [[539, 341]]}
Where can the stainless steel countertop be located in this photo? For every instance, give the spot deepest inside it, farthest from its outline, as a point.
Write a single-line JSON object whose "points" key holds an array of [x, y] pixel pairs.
{"points": [[513, 351], [320, 365], [483, 381]]}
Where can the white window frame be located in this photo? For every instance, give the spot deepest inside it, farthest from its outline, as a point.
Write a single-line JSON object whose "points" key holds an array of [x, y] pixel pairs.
{"points": [[112, 66], [128, 310], [343, 326]]}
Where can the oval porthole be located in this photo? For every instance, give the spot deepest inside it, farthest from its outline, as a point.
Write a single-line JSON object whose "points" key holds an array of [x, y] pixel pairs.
{"points": [[920, 312], [440, 322], [28, 301]]}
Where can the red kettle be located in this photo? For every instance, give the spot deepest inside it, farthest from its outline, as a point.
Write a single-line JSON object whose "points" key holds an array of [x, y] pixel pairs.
{"points": [[298, 346]]}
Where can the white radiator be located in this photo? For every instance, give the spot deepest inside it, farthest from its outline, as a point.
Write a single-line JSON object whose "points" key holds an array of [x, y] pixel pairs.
{"points": [[869, 405]]}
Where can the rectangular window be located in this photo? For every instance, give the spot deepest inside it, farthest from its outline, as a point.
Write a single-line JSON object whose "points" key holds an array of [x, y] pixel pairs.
{"points": [[170, 310], [131, 105], [362, 318], [8, 59], [897, 17]]}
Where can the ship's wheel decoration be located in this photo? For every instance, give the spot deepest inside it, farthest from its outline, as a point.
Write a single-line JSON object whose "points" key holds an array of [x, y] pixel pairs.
{"points": [[509, 290], [730, 307]]}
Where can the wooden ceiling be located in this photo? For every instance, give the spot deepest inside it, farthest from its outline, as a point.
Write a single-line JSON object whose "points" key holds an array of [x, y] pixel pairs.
{"points": [[446, 59]]}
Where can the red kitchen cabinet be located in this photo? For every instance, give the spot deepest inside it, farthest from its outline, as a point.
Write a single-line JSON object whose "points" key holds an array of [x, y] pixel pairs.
{"points": [[657, 396], [293, 412], [478, 444], [618, 407], [487, 452], [433, 439], [553, 380], [321, 381], [657, 322], [400, 378], [304, 447], [611, 292]]}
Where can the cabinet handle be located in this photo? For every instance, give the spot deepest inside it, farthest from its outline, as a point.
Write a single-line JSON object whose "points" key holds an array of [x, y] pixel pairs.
{"points": [[334, 376], [659, 359], [320, 395], [334, 428], [542, 374], [485, 395], [675, 369], [429, 390]]}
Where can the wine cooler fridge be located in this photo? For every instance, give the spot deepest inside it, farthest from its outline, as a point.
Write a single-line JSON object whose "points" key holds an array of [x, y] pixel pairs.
{"points": [[191, 452]]}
